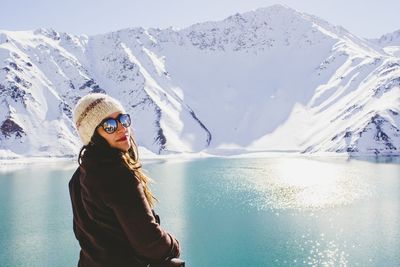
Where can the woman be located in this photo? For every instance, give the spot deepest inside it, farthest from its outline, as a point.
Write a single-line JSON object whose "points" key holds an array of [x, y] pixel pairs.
{"points": [[112, 204]]}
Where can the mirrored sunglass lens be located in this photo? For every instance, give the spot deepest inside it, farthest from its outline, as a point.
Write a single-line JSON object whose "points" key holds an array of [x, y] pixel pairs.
{"points": [[110, 125], [125, 120]]}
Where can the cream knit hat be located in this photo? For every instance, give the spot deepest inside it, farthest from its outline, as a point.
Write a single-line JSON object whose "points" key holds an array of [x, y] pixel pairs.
{"points": [[91, 110]]}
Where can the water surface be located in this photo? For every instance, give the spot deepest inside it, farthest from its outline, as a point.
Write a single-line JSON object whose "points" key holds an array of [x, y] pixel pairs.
{"points": [[226, 212]]}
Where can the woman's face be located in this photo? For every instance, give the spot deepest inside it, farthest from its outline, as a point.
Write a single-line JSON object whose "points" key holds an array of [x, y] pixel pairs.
{"points": [[118, 139]]}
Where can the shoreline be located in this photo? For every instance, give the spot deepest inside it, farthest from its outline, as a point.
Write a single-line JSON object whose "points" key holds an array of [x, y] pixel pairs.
{"points": [[70, 163], [149, 157]]}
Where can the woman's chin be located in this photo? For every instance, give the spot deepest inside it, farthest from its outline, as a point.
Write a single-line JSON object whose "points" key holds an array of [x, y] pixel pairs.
{"points": [[123, 146]]}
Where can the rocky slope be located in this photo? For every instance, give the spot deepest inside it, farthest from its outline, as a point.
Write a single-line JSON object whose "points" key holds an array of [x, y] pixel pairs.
{"points": [[270, 79]]}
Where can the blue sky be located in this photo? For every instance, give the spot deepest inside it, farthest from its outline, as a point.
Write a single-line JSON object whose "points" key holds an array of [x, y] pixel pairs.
{"points": [[365, 18]]}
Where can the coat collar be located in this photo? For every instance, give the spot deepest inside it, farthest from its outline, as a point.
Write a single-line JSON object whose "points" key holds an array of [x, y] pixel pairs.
{"points": [[99, 151]]}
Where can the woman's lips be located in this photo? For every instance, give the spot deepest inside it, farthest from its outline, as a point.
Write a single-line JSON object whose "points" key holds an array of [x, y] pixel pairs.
{"points": [[123, 138]]}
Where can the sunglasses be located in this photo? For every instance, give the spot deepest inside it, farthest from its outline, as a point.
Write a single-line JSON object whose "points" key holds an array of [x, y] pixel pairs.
{"points": [[110, 125]]}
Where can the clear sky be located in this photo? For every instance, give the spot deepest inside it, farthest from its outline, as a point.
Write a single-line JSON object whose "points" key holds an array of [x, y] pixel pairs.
{"points": [[365, 18]]}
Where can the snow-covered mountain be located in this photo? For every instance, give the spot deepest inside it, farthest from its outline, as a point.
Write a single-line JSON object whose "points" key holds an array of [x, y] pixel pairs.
{"points": [[390, 43], [272, 79], [389, 39]]}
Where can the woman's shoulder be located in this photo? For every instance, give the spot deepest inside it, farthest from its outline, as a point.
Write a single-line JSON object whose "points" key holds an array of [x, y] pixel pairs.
{"points": [[108, 175], [114, 184]]}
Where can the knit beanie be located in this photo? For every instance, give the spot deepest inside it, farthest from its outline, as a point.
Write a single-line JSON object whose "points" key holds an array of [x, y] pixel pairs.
{"points": [[91, 110]]}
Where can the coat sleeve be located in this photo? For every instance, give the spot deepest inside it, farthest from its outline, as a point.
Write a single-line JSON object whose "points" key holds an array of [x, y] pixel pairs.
{"points": [[127, 199]]}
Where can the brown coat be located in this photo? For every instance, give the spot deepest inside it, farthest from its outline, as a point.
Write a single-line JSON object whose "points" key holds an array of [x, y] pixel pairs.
{"points": [[112, 219]]}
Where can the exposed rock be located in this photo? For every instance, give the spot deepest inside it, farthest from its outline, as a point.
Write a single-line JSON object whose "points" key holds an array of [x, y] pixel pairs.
{"points": [[66, 109], [95, 88], [15, 66], [160, 139], [209, 136], [9, 127]]}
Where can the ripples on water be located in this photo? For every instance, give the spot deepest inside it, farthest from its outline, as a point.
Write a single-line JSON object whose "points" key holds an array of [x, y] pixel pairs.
{"points": [[227, 212], [301, 184], [290, 183], [293, 211]]}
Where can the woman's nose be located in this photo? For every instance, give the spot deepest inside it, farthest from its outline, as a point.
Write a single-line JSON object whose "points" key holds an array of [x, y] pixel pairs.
{"points": [[120, 126]]}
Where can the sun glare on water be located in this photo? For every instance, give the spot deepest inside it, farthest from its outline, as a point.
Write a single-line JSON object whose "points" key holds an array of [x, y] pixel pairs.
{"points": [[304, 184]]}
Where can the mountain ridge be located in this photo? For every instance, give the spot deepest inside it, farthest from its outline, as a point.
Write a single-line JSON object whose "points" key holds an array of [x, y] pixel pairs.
{"points": [[210, 86]]}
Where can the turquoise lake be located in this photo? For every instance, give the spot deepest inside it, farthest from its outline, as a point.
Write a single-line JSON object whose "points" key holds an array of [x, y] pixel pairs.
{"points": [[226, 212]]}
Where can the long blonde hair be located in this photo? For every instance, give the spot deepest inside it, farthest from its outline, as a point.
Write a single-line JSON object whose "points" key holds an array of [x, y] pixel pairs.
{"points": [[131, 160]]}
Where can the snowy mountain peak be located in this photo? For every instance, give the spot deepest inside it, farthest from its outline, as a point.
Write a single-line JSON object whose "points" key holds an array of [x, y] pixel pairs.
{"points": [[390, 39], [268, 79], [265, 13], [50, 33], [266, 28], [389, 42]]}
